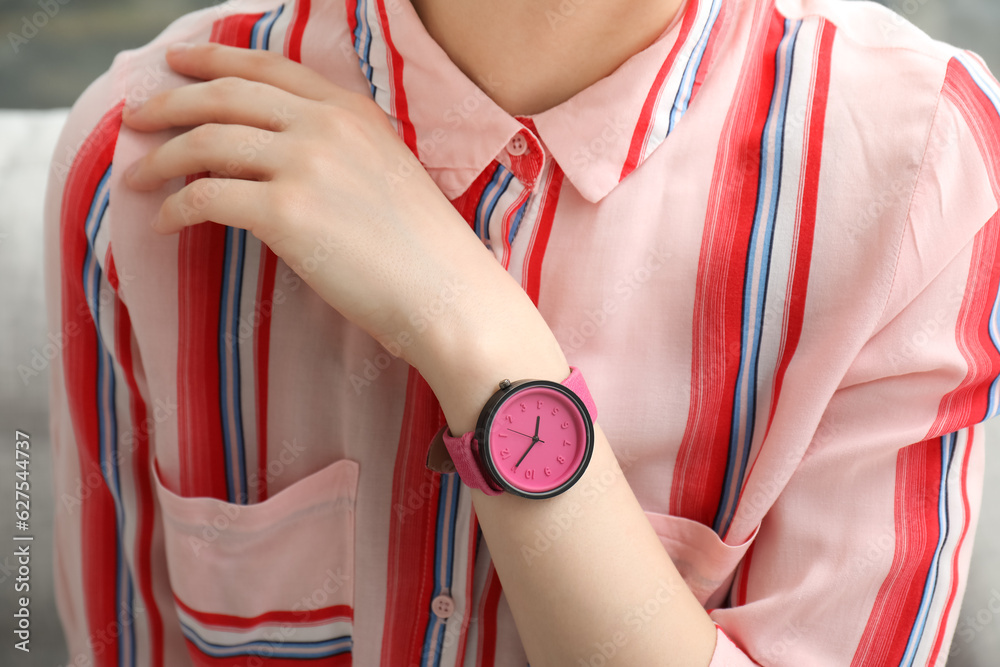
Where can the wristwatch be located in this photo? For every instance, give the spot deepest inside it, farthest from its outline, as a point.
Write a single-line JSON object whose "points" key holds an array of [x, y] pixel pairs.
{"points": [[534, 439]]}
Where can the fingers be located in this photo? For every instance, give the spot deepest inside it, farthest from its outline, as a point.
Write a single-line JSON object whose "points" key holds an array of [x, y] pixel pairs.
{"points": [[227, 100], [230, 202], [213, 61], [232, 151]]}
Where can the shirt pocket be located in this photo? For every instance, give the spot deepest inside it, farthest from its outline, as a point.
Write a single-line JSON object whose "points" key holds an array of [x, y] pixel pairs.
{"points": [[269, 582], [702, 558]]}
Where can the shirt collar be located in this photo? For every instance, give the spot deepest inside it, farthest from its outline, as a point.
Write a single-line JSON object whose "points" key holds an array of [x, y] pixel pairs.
{"points": [[597, 137]]}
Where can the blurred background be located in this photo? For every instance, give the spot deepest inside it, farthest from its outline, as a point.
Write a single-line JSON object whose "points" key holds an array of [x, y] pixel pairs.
{"points": [[49, 71]]}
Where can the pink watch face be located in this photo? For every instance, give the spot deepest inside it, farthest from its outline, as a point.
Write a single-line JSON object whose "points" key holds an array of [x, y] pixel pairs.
{"points": [[539, 440]]}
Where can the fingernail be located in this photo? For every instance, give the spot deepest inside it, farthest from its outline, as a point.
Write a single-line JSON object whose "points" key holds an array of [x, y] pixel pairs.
{"points": [[179, 47]]}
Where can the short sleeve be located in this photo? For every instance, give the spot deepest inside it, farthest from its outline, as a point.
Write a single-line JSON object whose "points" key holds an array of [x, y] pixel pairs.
{"points": [[863, 557]]}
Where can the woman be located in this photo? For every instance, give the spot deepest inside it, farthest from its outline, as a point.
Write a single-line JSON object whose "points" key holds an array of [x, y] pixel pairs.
{"points": [[765, 235]]}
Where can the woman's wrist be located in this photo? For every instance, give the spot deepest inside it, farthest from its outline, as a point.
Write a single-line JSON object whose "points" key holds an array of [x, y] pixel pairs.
{"points": [[467, 353]]}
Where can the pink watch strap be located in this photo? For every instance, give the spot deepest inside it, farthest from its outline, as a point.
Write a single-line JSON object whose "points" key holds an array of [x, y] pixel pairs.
{"points": [[464, 450]]}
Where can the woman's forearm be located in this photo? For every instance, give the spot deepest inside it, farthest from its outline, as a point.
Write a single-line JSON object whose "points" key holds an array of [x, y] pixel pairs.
{"points": [[584, 573]]}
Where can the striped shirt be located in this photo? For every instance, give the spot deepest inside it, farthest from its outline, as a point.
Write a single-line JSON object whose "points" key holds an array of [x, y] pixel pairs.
{"points": [[769, 240]]}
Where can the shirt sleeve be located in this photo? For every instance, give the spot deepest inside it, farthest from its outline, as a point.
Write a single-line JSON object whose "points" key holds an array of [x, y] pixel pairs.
{"points": [[863, 557], [98, 420]]}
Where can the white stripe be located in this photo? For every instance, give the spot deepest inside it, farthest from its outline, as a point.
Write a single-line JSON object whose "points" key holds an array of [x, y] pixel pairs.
{"points": [[274, 631], [664, 104], [524, 243], [956, 523], [459, 580], [982, 77]]}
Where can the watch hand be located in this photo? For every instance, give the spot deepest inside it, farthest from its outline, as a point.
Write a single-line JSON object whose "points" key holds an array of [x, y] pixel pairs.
{"points": [[519, 433], [534, 441]]}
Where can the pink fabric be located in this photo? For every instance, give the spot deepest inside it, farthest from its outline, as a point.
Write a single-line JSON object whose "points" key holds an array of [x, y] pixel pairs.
{"points": [[769, 241]]}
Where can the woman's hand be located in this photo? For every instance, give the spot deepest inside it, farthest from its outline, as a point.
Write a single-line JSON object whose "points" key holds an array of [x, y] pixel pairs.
{"points": [[311, 169]]}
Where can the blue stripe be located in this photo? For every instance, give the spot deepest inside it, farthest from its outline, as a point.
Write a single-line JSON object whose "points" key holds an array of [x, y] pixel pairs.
{"points": [[517, 221], [270, 649], [989, 90], [444, 550], [746, 382], [108, 427], [491, 196], [229, 368], [230, 402], [684, 91], [363, 42], [948, 443]]}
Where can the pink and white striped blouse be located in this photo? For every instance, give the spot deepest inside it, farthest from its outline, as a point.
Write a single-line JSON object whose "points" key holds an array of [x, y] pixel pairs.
{"points": [[769, 240]]}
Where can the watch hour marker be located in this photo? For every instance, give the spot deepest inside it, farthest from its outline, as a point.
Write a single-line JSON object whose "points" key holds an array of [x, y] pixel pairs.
{"points": [[529, 473], [524, 406], [548, 471], [560, 459], [554, 411], [510, 419], [505, 453], [540, 404], [565, 425], [567, 443]]}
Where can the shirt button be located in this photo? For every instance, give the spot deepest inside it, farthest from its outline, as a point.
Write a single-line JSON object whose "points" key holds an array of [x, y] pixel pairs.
{"points": [[518, 145], [443, 606]]}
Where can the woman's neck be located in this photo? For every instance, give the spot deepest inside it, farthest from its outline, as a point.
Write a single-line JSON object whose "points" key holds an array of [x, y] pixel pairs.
{"points": [[530, 55]]}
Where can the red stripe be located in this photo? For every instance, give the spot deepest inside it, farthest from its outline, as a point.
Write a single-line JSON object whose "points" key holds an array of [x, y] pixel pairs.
{"points": [[969, 402], [352, 20], [299, 617], [649, 106], [806, 226], [145, 510], [486, 654], [201, 447], [467, 202], [413, 528], [536, 250], [700, 469], [710, 51], [199, 659], [293, 43], [98, 528], [262, 350], [415, 490], [201, 256], [980, 115], [918, 489], [955, 575], [743, 577], [399, 104]]}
